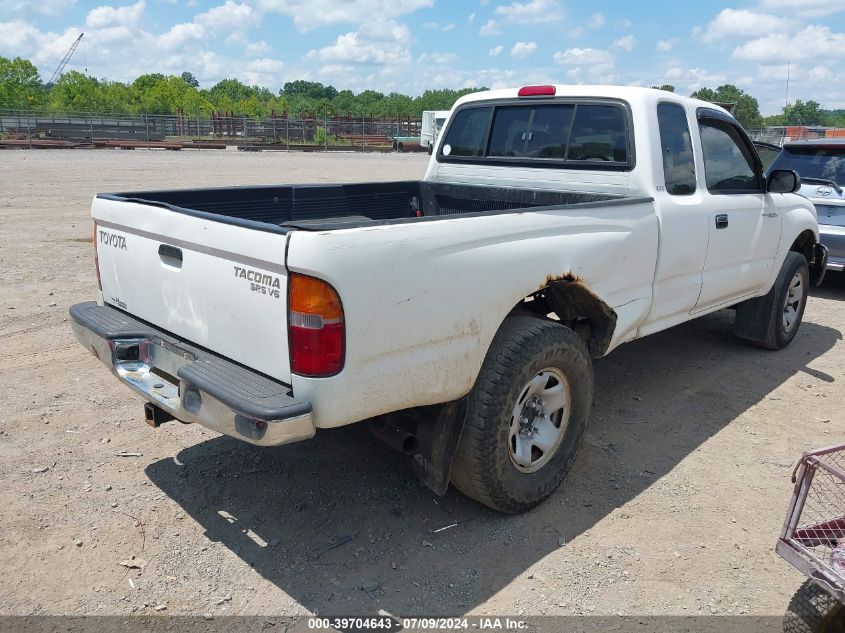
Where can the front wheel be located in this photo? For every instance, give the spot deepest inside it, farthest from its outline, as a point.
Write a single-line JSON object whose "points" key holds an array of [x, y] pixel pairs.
{"points": [[772, 321], [526, 417]]}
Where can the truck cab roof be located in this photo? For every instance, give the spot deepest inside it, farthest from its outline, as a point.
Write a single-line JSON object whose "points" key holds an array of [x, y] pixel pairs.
{"points": [[631, 94]]}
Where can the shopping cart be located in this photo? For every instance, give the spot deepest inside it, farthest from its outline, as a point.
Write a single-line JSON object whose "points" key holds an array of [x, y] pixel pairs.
{"points": [[813, 541]]}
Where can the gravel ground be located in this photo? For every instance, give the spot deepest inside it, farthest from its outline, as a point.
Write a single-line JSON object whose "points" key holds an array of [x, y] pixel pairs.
{"points": [[673, 507]]}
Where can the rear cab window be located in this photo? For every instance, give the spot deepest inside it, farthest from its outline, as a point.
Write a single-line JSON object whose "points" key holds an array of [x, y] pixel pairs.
{"points": [[676, 148], [568, 134]]}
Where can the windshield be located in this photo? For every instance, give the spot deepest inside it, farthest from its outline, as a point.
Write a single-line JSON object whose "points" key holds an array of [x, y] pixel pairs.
{"points": [[814, 161]]}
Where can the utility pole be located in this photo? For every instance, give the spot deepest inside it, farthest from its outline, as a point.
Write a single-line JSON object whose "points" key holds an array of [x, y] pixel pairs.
{"points": [[786, 105]]}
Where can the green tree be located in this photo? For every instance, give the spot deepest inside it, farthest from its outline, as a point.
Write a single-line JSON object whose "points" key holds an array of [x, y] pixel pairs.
{"points": [[747, 109], [308, 89], [167, 95], [19, 83], [189, 79], [666, 87], [76, 92], [803, 113]]}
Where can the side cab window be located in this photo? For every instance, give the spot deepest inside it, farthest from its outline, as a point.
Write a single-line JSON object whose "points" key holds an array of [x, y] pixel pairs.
{"points": [[730, 164]]}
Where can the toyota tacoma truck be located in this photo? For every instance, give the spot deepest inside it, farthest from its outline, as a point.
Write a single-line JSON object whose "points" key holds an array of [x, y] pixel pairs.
{"points": [[458, 315]]}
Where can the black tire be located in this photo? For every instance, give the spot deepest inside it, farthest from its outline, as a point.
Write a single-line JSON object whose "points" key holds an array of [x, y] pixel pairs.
{"points": [[483, 468], [813, 610], [762, 320]]}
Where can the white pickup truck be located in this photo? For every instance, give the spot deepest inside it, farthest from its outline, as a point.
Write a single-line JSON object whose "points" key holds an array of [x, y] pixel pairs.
{"points": [[459, 315]]}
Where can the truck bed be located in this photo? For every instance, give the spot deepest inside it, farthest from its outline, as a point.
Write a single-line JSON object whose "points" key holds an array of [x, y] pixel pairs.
{"points": [[323, 207]]}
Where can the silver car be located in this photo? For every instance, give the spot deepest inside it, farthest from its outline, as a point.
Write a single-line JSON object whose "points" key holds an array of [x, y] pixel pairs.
{"points": [[821, 165]]}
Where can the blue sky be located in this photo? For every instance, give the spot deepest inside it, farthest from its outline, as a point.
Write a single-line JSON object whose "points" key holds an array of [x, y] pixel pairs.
{"points": [[411, 45]]}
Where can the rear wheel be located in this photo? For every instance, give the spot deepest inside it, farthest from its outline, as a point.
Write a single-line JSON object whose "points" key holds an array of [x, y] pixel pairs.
{"points": [[527, 415], [813, 610]]}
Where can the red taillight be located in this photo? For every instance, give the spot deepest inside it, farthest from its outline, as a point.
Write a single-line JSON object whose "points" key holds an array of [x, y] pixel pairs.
{"points": [[315, 324], [96, 257], [537, 91]]}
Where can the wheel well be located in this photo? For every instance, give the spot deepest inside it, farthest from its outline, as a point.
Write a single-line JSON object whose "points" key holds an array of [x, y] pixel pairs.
{"points": [[804, 244], [576, 306]]}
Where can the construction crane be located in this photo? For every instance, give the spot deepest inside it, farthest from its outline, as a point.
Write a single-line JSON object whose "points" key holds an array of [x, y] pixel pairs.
{"points": [[58, 72]]}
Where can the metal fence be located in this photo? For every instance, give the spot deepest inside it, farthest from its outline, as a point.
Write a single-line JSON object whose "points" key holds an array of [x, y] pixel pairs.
{"points": [[284, 131], [306, 132], [778, 135]]}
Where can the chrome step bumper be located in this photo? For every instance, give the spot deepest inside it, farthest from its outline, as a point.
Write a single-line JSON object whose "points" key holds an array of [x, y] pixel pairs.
{"points": [[189, 383]]}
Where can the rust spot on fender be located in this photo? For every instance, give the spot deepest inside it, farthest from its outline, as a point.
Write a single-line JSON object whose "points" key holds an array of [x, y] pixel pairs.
{"points": [[571, 300], [568, 278]]}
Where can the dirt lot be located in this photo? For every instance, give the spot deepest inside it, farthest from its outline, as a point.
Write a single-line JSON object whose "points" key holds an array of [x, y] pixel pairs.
{"points": [[673, 506]]}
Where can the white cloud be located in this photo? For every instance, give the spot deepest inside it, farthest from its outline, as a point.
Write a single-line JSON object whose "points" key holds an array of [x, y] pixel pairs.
{"points": [[437, 58], [818, 43], [597, 20], [495, 51], [44, 7], [181, 35], [376, 42], [805, 7], [263, 71], [626, 43], [490, 28], [230, 16], [309, 14], [623, 24], [230, 19], [19, 38], [740, 23], [256, 48], [266, 66], [523, 49], [585, 56], [588, 65], [821, 74], [532, 12], [664, 46], [449, 27], [471, 18], [500, 78], [106, 16], [688, 80]]}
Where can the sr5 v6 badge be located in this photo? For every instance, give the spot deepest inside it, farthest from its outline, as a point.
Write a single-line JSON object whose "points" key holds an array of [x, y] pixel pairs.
{"points": [[260, 282]]}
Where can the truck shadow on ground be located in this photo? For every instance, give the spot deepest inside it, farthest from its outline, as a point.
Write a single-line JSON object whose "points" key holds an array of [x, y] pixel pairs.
{"points": [[324, 518], [833, 286]]}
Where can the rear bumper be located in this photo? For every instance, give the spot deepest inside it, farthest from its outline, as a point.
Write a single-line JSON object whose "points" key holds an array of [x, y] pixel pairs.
{"points": [[833, 237], [189, 383]]}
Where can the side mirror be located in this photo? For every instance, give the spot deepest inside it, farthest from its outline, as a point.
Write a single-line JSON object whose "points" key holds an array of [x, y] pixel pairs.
{"points": [[783, 181]]}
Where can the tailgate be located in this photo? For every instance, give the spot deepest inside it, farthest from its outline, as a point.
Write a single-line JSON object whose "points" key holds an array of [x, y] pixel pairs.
{"points": [[217, 285]]}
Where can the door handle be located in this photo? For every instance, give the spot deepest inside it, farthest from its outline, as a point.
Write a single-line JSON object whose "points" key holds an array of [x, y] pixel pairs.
{"points": [[722, 221], [170, 255]]}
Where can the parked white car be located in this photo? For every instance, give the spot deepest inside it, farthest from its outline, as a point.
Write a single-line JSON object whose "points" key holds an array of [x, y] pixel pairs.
{"points": [[459, 314]]}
